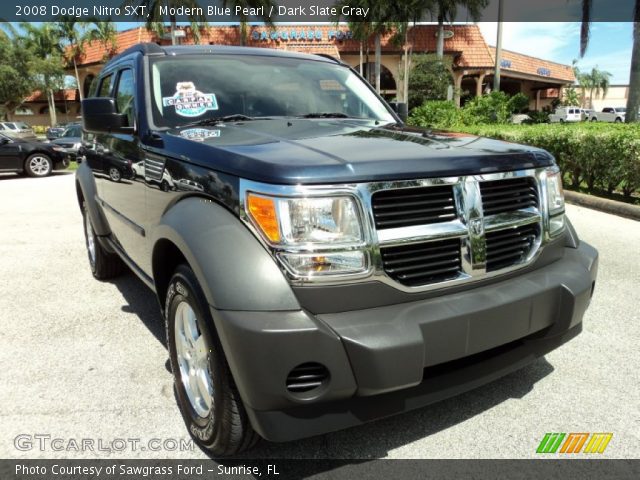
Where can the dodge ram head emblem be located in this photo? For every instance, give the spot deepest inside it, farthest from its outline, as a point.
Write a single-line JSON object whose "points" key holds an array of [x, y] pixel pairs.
{"points": [[476, 227]]}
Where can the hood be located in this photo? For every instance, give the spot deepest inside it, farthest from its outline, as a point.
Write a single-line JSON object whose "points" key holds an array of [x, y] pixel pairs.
{"points": [[66, 140], [342, 151]]}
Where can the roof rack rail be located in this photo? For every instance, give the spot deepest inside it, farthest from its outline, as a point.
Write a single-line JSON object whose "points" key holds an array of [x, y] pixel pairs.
{"points": [[144, 48], [330, 57]]}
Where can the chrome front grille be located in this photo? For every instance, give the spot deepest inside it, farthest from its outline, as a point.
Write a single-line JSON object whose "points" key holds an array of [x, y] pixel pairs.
{"points": [[500, 196], [422, 263], [493, 224], [413, 206], [427, 234], [510, 246]]}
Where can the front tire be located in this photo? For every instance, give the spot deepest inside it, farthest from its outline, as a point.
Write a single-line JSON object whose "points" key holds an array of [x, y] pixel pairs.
{"points": [[207, 396], [38, 165], [104, 265]]}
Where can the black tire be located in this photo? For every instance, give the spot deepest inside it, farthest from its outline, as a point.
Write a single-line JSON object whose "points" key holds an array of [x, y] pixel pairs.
{"points": [[226, 429], [115, 175], [618, 120], [104, 265], [594, 119], [164, 186], [38, 165]]}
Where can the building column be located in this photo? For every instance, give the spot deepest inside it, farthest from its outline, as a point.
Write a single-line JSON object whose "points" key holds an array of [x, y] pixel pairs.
{"points": [[537, 100], [479, 79], [457, 86]]}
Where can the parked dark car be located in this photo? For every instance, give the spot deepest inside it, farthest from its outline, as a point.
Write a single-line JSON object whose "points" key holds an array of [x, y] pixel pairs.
{"points": [[55, 132], [319, 263], [34, 158], [70, 140]]}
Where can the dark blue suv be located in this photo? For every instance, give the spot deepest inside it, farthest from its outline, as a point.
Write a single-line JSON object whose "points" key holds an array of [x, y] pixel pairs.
{"points": [[319, 263]]}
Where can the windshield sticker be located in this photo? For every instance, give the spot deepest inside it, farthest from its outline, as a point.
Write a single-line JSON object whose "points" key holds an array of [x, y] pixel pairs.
{"points": [[199, 134], [189, 102], [331, 85]]}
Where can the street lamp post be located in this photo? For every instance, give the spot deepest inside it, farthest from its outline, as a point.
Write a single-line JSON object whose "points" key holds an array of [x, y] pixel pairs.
{"points": [[496, 76]]}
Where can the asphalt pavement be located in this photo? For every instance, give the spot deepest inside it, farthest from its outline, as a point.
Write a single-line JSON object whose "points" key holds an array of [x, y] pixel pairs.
{"points": [[84, 361]]}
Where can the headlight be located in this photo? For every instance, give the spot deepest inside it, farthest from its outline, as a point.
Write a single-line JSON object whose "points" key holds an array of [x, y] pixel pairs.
{"points": [[555, 200], [320, 221], [312, 236], [58, 149], [555, 195]]}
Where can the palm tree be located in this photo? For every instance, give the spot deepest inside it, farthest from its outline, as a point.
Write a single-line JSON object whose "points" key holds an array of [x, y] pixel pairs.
{"points": [[155, 20], [408, 12], [105, 34], [597, 81], [383, 12], [446, 11], [44, 41], [571, 97], [633, 102], [75, 40], [244, 20]]}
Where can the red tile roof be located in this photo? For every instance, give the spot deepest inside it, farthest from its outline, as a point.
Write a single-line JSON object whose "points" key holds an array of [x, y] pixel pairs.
{"points": [[534, 66], [68, 94], [467, 45]]}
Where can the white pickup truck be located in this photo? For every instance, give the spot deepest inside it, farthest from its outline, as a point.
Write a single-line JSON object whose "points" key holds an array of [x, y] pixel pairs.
{"points": [[609, 114]]}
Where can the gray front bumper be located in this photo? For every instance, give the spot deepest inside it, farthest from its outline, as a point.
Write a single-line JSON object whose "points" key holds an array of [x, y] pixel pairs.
{"points": [[473, 337]]}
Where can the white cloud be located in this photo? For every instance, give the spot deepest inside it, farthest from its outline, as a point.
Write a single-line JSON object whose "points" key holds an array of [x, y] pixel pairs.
{"points": [[560, 42], [544, 40], [616, 62]]}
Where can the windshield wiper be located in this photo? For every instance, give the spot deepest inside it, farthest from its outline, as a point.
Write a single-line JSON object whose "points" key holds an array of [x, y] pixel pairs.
{"points": [[236, 117], [325, 115]]}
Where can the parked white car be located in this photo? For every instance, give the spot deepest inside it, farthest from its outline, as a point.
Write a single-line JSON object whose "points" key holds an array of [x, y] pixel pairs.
{"points": [[609, 114], [566, 114]]}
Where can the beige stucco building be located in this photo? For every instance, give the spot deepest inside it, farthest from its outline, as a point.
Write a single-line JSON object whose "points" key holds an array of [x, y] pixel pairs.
{"points": [[472, 58]]}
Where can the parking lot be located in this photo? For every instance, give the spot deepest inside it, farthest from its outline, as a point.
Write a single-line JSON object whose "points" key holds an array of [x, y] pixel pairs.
{"points": [[81, 359]]}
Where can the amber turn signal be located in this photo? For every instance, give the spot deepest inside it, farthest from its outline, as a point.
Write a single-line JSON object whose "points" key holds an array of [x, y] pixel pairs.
{"points": [[263, 212]]}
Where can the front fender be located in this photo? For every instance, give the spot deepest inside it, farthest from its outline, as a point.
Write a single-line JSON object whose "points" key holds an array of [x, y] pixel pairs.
{"points": [[234, 270], [87, 185]]}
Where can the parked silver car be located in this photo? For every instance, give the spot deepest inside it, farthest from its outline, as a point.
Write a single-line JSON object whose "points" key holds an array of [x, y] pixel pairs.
{"points": [[17, 130]]}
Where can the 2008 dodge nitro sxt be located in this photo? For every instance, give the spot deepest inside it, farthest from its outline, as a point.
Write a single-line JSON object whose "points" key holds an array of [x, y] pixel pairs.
{"points": [[318, 263]]}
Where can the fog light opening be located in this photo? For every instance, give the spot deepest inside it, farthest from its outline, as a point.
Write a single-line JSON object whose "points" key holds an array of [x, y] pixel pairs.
{"points": [[307, 377]]}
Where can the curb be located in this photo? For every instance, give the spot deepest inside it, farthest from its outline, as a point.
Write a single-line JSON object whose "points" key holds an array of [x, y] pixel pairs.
{"points": [[603, 204]]}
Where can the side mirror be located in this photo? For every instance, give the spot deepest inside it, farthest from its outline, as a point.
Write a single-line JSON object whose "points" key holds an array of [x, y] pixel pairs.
{"points": [[100, 115], [402, 109], [3, 141]]}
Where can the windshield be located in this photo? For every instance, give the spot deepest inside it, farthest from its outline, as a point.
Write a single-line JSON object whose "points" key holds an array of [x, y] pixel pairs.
{"points": [[72, 132], [621, 109], [193, 88]]}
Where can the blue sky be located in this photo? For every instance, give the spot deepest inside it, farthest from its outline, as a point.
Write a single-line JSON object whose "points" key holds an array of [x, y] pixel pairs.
{"points": [[609, 47]]}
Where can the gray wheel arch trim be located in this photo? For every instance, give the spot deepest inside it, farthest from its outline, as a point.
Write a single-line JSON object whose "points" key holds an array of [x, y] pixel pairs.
{"points": [[232, 267], [87, 185]]}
